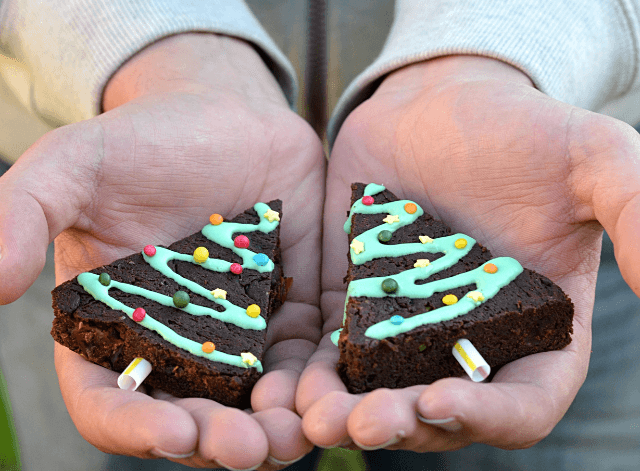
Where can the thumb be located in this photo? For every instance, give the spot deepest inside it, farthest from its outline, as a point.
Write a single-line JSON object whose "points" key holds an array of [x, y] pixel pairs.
{"points": [[605, 175], [44, 192]]}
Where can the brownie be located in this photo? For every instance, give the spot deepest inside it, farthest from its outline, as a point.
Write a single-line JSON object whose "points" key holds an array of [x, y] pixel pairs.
{"points": [[530, 314], [110, 337]]}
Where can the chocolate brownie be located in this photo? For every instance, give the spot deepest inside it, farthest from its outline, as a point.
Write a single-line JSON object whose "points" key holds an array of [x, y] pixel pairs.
{"points": [[415, 289], [197, 310]]}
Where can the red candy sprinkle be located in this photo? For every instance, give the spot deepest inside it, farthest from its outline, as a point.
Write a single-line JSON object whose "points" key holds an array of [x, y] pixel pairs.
{"points": [[139, 314], [242, 242], [236, 268], [149, 250], [367, 200]]}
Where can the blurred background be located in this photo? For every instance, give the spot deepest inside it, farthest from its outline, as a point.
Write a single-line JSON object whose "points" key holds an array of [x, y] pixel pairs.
{"points": [[46, 436]]}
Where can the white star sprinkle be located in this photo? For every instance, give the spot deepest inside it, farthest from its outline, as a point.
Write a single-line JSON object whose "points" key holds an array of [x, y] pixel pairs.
{"points": [[476, 296], [219, 293], [272, 215], [425, 239], [357, 246], [421, 263], [248, 358], [390, 219]]}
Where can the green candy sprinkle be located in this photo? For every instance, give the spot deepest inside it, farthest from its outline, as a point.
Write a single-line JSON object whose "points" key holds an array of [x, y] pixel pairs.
{"points": [[181, 299], [104, 279], [384, 236], [389, 285], [422, 348]]}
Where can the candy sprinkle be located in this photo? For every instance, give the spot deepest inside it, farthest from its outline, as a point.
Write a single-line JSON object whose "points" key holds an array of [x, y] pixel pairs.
{"points": [[138, 314], [261, 259], [425, 239], [104, 279], [490, 268], [149, 250], [450, 299], [200, 255], [181, 299], [357, 246], [219, 293], [460, 243], [235, 268], [421, 263], [384, 236], [396, 320], [272, 215], [410, 208], [208, 347], [389, 285], [253, 310], [242, 242], [476, 296], [391, 218], [215, 219], [367, 200], [248, 358]]}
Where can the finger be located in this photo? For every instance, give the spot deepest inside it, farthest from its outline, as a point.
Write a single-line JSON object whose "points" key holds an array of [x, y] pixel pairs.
{"points": [[526, 399], [387, 418], [325, 422], [41, 195], [228, 437], [287, 443], [117, 421]]}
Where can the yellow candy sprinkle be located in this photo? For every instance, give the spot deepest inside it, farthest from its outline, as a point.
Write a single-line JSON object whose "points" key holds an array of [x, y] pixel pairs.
{"points": [[450, 299], [421, 263], [215, 219], [200, 255], [425, 239], [476, 296], [248, 358], [460, 243], [390, 219], [490, 268], [272, 215], [219, 293], [410, 208], [357, 246], [253, 310]]}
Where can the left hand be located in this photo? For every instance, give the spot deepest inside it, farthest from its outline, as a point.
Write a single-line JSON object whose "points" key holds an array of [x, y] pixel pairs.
{"points": [[471, 141]]}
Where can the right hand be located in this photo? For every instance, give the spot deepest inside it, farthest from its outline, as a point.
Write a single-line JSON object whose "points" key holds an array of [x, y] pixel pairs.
{"points": [[197, 124]]}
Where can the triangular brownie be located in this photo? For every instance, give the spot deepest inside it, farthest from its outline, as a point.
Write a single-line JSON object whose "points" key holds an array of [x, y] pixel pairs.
{"points": [[94, 313], [399, 330]]}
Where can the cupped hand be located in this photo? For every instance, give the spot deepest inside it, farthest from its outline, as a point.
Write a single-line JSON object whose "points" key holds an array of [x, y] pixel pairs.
{"points": [[195, 124], [477, 146]]}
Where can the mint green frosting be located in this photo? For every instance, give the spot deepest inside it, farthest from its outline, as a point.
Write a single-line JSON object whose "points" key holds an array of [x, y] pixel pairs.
{"points": [[221, 235], [487, 284]]}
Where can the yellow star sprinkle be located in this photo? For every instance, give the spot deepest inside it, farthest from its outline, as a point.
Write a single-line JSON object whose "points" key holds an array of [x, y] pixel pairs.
{"points": [[476, 296], [272, 215], [248, 358], [219, 293], [421, 262], [357, 246], [390, 219], [425, 239]]}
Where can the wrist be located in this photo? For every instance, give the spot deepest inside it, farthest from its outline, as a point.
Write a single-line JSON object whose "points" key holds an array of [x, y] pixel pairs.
{"points": [[195, 63], [454, 69]]}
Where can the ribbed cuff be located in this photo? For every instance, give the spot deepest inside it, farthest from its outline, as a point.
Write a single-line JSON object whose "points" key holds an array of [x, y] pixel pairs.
{"points": [[73, 47], [580, 52]]}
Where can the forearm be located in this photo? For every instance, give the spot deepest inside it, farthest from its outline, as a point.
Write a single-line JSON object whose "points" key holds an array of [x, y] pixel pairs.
{"points": [[198, 63]]}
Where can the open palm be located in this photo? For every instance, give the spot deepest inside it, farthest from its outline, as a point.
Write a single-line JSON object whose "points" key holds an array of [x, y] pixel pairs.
{"points": [[151, 171], [476, 146]]}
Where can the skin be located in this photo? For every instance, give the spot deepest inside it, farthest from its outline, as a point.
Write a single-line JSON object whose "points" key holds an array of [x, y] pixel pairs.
{"points": [[477, 146], [194, 124]]}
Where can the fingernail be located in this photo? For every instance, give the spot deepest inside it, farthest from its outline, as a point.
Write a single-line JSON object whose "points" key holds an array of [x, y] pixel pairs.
{"points": [[165, 454], [450, 424], [278, 462], [389, 442], [222, 465], [341, 444]]}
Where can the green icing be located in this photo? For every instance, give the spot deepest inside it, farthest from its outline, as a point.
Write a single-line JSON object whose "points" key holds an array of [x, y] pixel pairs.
{"points": [[220, 234], [90, 283], [487, 284]]}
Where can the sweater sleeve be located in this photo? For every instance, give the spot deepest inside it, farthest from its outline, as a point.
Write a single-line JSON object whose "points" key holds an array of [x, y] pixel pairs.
{"points": [[72, 47], [582, 52]]}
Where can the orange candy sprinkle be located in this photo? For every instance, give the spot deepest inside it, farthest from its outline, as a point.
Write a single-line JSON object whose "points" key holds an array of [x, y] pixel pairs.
{"points": [[410, 208], [208, 347], [216, 219], [490, 268]]}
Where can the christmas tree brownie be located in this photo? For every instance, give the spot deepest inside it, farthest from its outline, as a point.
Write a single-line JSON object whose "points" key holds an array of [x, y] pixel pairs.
{"points": [[197, 310], [415, 289]]}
